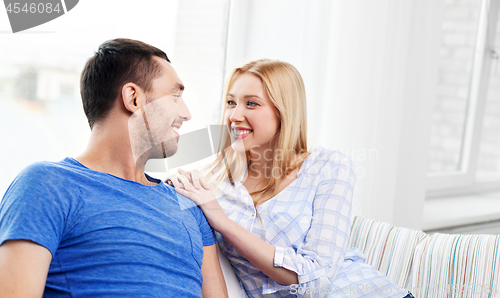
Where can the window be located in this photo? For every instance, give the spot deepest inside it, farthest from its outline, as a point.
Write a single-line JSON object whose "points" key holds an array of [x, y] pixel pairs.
{"points": [[42, 116], [488, 167], [460, 24], [200, 48], [465, 140]]}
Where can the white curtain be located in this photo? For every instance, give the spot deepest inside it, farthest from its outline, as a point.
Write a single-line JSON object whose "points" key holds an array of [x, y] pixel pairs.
{"points": [[370, 69]]}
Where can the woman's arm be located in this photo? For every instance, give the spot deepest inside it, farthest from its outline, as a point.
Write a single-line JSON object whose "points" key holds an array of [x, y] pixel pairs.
{"points": [[317, 260], [254, 249], [257, 251]]}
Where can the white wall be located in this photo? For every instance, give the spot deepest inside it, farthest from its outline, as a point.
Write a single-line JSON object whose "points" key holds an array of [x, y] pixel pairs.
{"points": [[370, 71]]}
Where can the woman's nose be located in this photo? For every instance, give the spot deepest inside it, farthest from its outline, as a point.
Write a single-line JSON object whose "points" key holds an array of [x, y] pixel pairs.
{"points": [[237, 115]]}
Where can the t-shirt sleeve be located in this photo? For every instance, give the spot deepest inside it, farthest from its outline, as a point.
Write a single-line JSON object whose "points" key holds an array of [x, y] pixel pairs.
{"points": [[31, 209], [206, 230]]}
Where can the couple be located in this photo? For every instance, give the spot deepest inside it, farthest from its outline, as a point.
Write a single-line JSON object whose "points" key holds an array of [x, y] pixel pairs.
{"points": [[98, 226]]}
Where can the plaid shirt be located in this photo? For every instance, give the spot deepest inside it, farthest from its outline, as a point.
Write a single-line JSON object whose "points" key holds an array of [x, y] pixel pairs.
{"points": [[309, 224]]}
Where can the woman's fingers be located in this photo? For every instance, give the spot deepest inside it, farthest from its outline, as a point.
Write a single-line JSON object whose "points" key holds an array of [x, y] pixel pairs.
{"points": [[176, 183], [204, 183], [183, 192], [187, 184], [193, 177], [189, 194], [187, 174], [184, 178]]}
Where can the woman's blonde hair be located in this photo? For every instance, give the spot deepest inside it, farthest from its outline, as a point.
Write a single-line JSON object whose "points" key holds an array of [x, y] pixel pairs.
{"points": [[284, 86]]}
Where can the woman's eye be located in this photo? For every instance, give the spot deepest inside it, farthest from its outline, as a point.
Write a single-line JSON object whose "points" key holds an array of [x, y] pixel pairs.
{"points": [[230, 103], [251, 103]]}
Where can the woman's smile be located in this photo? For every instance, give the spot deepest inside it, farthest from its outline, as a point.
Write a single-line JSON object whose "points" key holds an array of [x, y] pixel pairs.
{"points": [[239, 133]]}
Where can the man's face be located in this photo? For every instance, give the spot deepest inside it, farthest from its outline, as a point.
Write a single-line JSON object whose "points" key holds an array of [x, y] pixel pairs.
{"points": [[154, 127]]}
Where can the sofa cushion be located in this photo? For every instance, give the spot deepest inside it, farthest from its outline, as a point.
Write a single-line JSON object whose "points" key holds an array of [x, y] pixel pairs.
{"points": [[456, 266], [437, 265], [387, 248]]}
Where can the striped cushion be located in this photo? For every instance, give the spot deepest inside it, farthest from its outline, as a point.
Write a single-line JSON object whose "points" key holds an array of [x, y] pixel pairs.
{"points": [[438, 265], [456, 266]]}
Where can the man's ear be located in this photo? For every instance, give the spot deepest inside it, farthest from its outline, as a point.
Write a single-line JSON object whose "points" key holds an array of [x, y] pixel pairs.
{"points": [[130, 97]]}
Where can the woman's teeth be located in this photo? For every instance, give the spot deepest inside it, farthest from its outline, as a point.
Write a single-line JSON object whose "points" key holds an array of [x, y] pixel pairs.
{"points": [[238, 132], [175, 129]]}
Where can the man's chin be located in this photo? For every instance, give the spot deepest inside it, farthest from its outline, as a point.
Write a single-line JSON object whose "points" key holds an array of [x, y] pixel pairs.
{"points": [[169, 148], [155, 157], [160, 151]]}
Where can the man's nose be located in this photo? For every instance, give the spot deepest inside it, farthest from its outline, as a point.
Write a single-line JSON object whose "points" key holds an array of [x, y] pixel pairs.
{"points": [[184, 111]]}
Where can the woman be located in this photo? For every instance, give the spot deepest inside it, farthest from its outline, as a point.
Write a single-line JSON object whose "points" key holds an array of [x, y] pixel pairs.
{"points": [[282, 213]]}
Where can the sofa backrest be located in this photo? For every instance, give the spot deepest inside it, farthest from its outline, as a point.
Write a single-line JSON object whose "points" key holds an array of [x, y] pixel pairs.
{"points": [[387, 248], [456, 266], [437, 265]]}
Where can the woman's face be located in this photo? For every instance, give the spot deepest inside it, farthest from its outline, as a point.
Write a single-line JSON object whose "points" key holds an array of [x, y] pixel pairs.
{"points": [[252, 118]]}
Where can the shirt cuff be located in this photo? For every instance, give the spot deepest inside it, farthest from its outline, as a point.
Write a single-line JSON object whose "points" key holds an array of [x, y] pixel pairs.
{"points": [[279, 256], [269, 286]]}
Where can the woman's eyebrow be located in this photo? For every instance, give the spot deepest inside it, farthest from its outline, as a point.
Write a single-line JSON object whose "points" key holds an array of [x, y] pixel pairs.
{"points": [[246, 96], [252, 96]]}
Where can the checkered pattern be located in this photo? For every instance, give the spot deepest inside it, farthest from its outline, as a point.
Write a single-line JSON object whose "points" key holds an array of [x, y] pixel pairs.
{"points": [[309, 224]]}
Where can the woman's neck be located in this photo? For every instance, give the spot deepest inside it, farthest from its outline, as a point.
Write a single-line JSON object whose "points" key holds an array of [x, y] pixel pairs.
{"points": [[261, 164], [260, 171]]}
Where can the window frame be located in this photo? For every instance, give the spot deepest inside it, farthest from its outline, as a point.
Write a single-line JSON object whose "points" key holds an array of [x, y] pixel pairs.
{"points": [[464, 180]]}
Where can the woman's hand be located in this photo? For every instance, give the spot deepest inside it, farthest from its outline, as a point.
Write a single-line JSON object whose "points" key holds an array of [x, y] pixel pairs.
{"points": [[254, 249], [196, 188]]}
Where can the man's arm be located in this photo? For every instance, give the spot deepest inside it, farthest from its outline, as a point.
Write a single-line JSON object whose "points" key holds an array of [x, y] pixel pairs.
{"points": [[24, 266], [214, 284]]}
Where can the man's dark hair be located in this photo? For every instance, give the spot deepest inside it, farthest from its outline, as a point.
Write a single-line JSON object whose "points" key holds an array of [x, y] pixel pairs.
{"points": [[116, 62]]}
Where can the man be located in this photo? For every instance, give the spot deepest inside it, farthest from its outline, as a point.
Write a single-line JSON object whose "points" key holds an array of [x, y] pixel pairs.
{"points": [[97, 225]]}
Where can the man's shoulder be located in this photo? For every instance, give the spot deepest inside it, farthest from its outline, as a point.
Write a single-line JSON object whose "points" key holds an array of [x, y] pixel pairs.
{"points": [[42, 177], [44, 166], [46, 170]]}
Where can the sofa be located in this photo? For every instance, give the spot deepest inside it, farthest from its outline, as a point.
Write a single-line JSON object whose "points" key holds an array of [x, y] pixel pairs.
{"points": [[437, 265]]}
